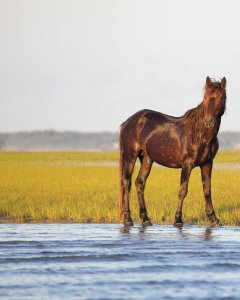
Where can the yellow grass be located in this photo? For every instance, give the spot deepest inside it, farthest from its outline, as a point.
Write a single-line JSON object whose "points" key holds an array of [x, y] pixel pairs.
{"points": [[83, 187]]}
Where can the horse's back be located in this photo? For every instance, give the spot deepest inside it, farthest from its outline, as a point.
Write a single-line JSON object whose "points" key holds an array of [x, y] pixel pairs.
{"points": [[156, 134], [149, 119], [160, 138]]}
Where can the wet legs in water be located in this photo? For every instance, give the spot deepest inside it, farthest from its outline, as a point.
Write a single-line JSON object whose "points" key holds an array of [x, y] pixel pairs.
{"points": [[128, 166], [146, 165], [185, 174], [206, 171]]}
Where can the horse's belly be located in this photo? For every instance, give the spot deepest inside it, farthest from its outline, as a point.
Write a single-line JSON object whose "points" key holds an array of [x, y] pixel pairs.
{"points": [[164, 150]]}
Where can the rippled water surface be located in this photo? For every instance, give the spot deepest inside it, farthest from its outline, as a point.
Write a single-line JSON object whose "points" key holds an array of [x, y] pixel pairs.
{"points": [[79, 261]]}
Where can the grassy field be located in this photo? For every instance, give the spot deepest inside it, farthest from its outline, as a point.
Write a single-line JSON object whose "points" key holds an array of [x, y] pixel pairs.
{"points": [[83, 187]]}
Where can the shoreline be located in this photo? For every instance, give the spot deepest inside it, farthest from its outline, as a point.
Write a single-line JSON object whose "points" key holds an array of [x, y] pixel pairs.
{"points": [[136, 222]]}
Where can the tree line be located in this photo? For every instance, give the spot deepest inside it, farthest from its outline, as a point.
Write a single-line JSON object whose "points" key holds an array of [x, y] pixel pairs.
{"points": [[50, 140]]}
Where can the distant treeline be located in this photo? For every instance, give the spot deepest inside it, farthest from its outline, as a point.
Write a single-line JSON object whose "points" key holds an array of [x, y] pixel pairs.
{"points": [[77, 141]]}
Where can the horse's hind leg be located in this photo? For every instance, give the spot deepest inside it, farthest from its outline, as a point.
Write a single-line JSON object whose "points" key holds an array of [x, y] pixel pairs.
{"points": [[146, 165], [128, 165]]}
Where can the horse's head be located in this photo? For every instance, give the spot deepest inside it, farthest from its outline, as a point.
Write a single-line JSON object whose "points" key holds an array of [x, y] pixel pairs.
{"points": [[214, 101]]}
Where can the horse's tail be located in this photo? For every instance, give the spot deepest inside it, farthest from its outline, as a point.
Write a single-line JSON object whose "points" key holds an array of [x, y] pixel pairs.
{"points": [[121, 202]]}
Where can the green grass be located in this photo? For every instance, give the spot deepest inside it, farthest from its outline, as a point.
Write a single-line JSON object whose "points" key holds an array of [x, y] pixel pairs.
{"points": [[83, 187]]}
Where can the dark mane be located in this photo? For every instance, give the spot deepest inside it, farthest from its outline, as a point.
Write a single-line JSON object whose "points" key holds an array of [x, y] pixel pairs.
{"points": [[215, 84], [193, 119]]}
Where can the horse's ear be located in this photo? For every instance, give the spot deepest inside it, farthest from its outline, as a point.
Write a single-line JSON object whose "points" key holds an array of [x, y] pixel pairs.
{"points": [[208, 81], [223, 83]]}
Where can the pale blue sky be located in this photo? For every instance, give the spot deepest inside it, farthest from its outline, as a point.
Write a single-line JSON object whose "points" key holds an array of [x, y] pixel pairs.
{"points": [[87, 65]]}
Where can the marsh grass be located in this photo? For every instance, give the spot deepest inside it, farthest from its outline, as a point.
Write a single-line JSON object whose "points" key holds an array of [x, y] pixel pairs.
{"points": [[83, 187]]}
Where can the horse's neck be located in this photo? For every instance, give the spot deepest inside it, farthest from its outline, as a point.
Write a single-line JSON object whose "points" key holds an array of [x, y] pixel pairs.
{"points": [[193, 120], [210, 134]]}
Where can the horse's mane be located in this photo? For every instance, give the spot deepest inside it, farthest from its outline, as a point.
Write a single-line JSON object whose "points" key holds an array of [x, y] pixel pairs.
{"points": [[214, 85], [193, 120]]}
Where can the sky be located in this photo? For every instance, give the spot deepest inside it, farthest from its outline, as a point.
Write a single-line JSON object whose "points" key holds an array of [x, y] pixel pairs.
{"points": [[87, 65]]}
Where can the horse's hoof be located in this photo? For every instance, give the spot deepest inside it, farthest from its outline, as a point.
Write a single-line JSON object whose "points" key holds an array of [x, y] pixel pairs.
{"points": [[178, 223], [216, 222], [147, 223], [128, 223]]}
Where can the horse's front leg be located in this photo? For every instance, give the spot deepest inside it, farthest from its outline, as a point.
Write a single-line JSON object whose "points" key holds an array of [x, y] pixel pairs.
{"points": [[185, 174], [206, 172]]}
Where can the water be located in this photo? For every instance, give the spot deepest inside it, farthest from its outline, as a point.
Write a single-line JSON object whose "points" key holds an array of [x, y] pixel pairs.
{"points": [[80, 261]]}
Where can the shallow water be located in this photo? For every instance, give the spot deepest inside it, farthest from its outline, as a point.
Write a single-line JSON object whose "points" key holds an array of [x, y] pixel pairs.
{"points": [[81, 261]]}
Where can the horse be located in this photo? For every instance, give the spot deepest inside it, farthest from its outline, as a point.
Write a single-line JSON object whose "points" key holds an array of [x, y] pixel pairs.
{"points": [[182, 142]]}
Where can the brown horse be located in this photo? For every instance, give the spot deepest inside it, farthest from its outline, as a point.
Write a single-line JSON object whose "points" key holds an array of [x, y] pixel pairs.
{"points": [[174, 142]]}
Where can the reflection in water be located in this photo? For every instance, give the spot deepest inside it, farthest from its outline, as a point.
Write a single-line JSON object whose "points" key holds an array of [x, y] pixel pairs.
{"points": [[111, 261], [127, 229], [124, 229], [184, 232], [208, 234], [142, 229]]}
